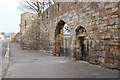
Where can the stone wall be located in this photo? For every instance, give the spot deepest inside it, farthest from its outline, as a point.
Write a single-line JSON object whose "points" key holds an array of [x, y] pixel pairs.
{"points": [[27, 20], [100, 20]]}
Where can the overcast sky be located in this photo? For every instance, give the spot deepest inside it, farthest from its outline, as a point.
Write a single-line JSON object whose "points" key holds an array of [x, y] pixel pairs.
{"points": [[9, 16]]}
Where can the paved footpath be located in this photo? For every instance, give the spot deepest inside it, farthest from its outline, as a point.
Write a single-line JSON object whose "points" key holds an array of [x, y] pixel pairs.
{"points": [[39, 64]]}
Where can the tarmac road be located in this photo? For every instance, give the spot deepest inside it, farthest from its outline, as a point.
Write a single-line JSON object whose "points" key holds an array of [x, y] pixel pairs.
{"points": [[39, 64]]}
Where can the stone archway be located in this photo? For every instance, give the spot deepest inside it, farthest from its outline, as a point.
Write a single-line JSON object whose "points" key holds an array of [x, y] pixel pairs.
{"points": [[82, 43], [62, 39]]}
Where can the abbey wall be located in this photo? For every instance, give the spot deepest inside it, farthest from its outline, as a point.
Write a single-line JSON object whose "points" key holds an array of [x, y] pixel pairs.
{"points": [[93, 28]]}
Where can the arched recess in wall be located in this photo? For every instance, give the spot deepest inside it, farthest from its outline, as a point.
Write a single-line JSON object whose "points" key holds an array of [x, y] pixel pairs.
{"points": [[82, 43], [62, 39]]}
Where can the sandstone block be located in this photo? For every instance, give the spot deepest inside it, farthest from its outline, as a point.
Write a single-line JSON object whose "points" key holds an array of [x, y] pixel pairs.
{"points": [[105, 18], [109, 65], [111, 21], [95, 14], [117, 21], [108, 6], [101, 60], [114, 9]]}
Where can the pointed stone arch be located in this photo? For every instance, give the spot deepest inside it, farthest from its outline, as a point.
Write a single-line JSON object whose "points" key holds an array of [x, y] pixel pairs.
{"points": [[59, 26], [82, 43], [61, 38]]}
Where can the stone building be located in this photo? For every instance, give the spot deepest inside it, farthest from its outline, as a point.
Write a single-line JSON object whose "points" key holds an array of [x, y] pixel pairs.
{"points": [[85, 31], [27, 20]]}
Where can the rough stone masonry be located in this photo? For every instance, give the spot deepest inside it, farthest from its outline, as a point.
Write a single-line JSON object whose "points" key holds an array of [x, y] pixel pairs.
{"points": [[93, 30]]}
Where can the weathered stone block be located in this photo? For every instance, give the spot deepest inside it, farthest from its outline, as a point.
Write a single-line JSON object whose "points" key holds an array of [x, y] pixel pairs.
{"points": [[109, 55], [111, 61], [101, 60], [105, 18], [109, 65], [108, 6], [117, 21], [103, 54], [105, 22], [115, 26], [95, 14], [111, 21], [114, 16], [115, 9]]}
